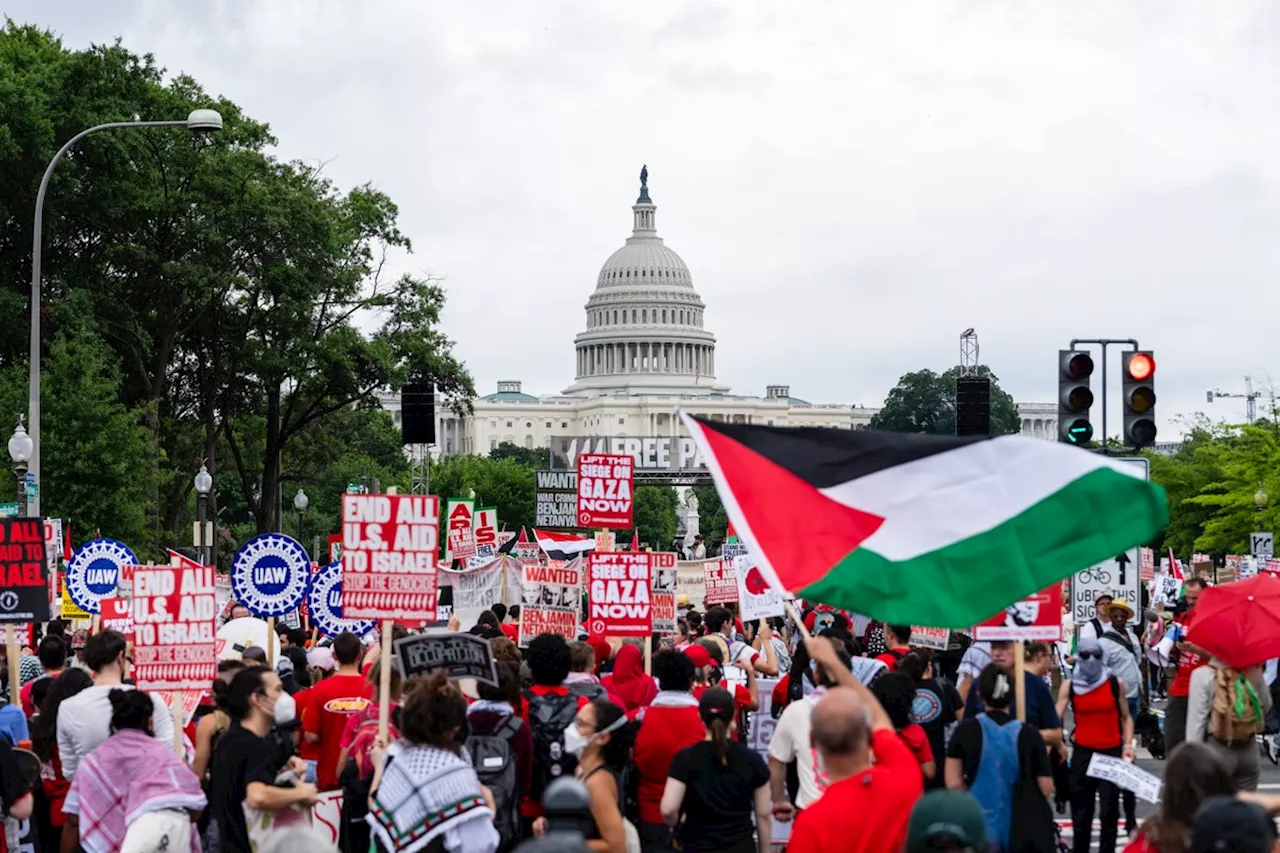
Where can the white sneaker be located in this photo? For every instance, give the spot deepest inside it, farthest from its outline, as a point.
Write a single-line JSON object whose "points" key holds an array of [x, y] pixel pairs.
{"points": [[1273, 748]]}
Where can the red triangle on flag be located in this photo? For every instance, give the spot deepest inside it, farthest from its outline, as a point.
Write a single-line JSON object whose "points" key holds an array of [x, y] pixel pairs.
{"points": [[729, 532], [523, 539], [635, 541]]}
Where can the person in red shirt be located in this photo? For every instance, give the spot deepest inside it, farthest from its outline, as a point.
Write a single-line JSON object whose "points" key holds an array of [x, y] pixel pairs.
{"points": [[628, 681], [669, 724], [1190, 658], [511, 625], [330, 702], [896, 640], [548, 709], [887, 789]]}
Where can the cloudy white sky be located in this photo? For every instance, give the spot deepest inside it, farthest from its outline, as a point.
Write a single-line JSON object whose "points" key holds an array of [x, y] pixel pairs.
{"points": [[851, 184]]}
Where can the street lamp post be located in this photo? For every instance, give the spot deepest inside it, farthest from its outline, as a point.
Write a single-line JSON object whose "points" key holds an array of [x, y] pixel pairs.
{"points": [[20, 449], [300, 502], [197, 121], [204, 485]]}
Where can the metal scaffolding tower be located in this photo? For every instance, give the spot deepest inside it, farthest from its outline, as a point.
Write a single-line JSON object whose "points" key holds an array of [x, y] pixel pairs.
{"points": [[1249, 396]]}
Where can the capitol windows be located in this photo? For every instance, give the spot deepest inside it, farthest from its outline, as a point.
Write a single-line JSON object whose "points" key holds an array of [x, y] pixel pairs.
{"points": [[633, 315], [493, 444], [563, 425], [622, 421], [493, 423], [644, 316], [548, 424], [528, 441], [664, 315], [508, 424]]}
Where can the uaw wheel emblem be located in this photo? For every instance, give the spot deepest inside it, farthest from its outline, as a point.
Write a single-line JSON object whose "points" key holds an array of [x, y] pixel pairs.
{"points": [[8, 600], [270, 574], [94, 571], [324, 603]]}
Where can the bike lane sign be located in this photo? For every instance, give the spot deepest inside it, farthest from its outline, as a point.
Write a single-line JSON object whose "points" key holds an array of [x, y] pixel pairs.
{"points": [[1119, 576]]}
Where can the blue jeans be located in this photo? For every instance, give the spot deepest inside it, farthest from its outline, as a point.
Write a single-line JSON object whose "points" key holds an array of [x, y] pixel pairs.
{"points": [[311, 772], [1134, 705]]}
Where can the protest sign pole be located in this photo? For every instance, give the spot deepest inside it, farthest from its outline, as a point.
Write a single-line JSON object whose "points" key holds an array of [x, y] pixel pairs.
{"points": [[1019, 676], [795, 617], [175, 710], [13, 655], [648, 655], [271, 635], [384, 682]]}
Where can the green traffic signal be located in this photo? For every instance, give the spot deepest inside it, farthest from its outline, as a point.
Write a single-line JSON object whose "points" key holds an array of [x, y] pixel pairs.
{"points": [[1080, 431]]}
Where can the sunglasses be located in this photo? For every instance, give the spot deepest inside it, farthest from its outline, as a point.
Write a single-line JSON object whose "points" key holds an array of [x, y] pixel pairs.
{"points": [[1090, 655]]}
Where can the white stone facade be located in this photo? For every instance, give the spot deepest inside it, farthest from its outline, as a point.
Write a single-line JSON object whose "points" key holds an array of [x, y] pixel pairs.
{"points": [[644, 355]]}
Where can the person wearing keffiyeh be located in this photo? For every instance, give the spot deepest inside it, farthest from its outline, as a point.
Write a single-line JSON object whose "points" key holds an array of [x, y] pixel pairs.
{"points": [[132, 785], [423, 788]]}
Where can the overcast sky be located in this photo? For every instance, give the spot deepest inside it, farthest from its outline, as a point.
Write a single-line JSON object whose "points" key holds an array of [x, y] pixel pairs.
{"points": [[851, 184]]}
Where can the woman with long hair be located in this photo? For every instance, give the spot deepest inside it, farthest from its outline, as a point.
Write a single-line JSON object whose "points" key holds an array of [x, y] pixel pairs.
{"points": [[423, 788], [131, 791], [714, 786], [1193, 774], [44, 743], [601, 737]]}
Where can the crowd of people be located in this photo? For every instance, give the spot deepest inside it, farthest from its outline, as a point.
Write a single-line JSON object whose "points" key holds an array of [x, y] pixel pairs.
{"points": [[878, 744]]}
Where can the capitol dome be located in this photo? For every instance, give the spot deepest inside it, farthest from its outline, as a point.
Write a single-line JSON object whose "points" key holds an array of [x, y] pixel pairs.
{"points": [[645, 332]]}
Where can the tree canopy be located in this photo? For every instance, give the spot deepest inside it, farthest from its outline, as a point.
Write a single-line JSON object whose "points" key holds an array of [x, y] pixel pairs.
{"points": [[925, 402], [202, 299]]}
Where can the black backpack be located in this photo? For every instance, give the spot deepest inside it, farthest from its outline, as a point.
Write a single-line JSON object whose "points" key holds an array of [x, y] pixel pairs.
{"points": [[494, 761], [592, 691], [549, 716]]}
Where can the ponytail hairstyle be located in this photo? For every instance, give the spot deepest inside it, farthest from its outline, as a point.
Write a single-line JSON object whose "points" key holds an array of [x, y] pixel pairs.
{"points": [[131, 710], [227, 670], [612, 720], [995, 687], [716, 707]]}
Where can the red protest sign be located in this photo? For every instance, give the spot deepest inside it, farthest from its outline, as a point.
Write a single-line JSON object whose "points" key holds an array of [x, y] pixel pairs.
{"points": [[175, 644], [1036, 617], [117, 615], [621, 604], [24, 577], [389, 545], [461, 527], [721, 581], [604, 490]]}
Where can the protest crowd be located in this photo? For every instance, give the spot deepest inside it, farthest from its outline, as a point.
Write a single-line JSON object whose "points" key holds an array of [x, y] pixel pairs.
{"points": [[572, 694]]}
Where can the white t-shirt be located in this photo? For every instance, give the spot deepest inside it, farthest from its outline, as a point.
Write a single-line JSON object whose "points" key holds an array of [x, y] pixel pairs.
{"points": [[84, 722], [791, 743]]}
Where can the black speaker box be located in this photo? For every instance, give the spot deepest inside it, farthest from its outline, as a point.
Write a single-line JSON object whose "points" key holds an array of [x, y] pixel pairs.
{"points": [[418, 413], [973, 405]]}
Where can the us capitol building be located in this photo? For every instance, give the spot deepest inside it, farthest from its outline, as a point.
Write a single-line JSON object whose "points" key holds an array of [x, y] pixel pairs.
{"points": [[644, 354]]}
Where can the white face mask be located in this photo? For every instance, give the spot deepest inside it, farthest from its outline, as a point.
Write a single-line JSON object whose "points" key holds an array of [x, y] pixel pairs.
{"points": [[286, 710], [575, 742]]}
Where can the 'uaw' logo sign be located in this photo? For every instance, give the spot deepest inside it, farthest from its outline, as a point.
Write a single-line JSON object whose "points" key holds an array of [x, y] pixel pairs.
{"points": [[270, 574], [324, 603], [94, 571]]}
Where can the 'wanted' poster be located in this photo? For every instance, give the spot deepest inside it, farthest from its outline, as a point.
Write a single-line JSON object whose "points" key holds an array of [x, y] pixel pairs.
{"points": [[551, 600]]}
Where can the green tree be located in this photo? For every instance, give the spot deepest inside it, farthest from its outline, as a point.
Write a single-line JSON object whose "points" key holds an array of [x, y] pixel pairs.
{"points": [[925, 402], [654, 515], [538, 458], [503, 483], [242, 299]]}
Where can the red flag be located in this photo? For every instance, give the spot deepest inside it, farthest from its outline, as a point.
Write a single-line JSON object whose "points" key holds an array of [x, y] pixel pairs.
{"points": [[635, 540]]}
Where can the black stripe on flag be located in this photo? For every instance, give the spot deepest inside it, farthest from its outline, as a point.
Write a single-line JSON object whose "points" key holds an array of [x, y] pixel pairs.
{"points": [[827, 456]]}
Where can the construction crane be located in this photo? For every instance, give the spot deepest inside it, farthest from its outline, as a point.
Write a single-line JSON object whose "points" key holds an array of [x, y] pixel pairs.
{"points": [[1249, 395]]}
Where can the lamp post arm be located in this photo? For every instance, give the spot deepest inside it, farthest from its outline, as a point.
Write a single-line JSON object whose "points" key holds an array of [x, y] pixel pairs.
{"points": [[37, 235]]}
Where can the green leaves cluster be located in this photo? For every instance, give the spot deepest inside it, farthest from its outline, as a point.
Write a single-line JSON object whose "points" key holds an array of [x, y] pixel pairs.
{"points": [[203, 299], [925, 402], [1212, 481]]}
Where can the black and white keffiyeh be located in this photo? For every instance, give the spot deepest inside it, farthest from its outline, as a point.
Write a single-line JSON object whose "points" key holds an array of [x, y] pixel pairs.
{"points": [[426, 792]]}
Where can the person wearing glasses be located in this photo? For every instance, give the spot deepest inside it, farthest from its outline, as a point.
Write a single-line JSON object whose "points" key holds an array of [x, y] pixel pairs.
{"points": [[1104, 726]]}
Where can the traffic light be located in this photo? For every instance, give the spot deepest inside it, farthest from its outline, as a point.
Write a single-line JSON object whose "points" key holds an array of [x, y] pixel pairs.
{"points": [[1138, 387], [1074, 397]]}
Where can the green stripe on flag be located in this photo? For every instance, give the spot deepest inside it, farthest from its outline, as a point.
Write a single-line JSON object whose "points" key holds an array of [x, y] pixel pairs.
{"points": [[974, 578]]}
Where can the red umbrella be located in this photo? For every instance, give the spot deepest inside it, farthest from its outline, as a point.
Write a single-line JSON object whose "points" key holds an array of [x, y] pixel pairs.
{"points": [[1239, 623]]}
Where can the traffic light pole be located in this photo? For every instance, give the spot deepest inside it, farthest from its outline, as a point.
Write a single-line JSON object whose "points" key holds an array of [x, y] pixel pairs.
{"points": [[1104, 343]]}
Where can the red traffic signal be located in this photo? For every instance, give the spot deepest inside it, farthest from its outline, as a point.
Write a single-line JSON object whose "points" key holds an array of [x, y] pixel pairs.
{"points": [[1141, 367]]}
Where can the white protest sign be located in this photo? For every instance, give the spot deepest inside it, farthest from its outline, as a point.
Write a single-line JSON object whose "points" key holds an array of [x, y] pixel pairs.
{"points": [[757, 598], [1125, 775]]}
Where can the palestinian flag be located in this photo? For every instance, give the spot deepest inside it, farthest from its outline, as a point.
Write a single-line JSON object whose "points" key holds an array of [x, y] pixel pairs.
{"points": [[562, 546], [922, 529]]}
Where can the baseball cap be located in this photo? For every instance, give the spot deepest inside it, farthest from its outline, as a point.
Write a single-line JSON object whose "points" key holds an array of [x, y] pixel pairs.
{"points": [[1228, 825], [698, 654], [950, 814], [716, 704]]}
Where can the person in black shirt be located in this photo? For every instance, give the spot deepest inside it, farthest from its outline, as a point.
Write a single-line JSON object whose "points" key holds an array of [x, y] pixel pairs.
{"points": [[936, 706], [714, 785], [248, 760]]}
